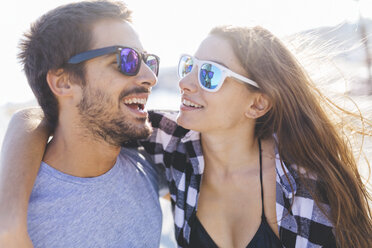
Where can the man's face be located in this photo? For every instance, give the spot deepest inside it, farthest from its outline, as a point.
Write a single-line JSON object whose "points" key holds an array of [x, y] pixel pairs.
{"points": [[110, 102]]}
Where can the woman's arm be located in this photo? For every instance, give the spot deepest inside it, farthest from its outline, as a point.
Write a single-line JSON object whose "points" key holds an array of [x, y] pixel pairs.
{"points": [[21, 154], [166, 134]]}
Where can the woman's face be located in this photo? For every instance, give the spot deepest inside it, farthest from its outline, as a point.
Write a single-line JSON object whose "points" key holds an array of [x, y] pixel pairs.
{"points": [[225, 109]]}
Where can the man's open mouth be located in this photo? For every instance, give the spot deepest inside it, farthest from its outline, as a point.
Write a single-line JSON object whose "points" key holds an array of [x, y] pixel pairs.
{"points": [[135, 103]]}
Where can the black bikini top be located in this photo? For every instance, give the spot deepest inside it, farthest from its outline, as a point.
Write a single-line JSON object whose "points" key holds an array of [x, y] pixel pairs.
{"points": [[264, 237]]}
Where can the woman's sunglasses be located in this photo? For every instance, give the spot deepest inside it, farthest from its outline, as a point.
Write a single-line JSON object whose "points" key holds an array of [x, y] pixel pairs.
{"points": [[128, 59], [210, 74]]}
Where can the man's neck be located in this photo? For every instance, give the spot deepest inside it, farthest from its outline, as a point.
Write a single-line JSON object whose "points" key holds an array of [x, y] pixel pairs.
{"points": [[81, 156]]}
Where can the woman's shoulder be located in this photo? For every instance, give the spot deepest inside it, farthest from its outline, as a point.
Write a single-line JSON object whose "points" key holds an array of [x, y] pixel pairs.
{"points": [[298, 181], [308, 183], [307, 211]]}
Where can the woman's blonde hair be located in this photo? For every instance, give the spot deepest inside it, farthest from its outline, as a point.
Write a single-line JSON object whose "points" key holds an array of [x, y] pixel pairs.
{"points": [[306, 135]]}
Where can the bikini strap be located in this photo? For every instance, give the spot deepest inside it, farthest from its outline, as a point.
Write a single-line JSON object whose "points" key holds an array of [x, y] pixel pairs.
{"points": [[262, 197]]}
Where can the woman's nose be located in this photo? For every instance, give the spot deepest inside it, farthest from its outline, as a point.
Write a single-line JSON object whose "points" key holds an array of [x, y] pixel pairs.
{"points": [[189, 83]]}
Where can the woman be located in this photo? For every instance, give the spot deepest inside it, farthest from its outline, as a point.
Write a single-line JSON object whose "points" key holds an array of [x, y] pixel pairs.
{"points": [[279, 126], [263, 166]]}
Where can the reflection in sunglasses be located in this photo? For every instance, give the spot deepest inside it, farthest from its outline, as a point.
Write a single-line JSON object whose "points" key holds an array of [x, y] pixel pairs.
{"points": [[129, 60], [211, 74], [207, 75]]}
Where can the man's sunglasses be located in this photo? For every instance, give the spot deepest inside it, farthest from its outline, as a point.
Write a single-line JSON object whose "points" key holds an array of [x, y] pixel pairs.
{"points": [[128, 59], [210, 74]]}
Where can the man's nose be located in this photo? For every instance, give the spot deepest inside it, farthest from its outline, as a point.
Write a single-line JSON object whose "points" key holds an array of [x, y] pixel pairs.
{"points": [[145, 76]]}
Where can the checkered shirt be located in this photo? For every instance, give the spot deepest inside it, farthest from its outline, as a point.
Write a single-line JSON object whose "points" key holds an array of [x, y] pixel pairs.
{"points": [[179, 150]]}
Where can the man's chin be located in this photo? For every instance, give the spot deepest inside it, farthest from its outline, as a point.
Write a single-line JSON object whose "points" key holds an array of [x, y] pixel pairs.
{"points": [[139, 132], [147, 130], [143, 119]]}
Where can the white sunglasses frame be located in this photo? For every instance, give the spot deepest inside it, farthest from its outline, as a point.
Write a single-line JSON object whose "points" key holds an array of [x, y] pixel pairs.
{"points": [[225, 72]]}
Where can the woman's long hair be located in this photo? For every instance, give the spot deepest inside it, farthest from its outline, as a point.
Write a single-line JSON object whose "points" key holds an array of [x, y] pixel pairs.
{"points": [[306, 135]]}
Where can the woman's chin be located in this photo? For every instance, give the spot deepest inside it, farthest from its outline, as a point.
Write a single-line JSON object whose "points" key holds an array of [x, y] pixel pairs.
{"points": [[186, 122], [181, 120]]}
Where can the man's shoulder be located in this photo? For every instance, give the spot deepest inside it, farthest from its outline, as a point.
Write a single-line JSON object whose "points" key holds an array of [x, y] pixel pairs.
{"points": [[138, 158], [137, 154], [144, 165]]}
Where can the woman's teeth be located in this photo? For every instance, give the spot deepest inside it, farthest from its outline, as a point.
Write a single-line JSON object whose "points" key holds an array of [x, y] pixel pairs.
{"points": [[191, 104]]}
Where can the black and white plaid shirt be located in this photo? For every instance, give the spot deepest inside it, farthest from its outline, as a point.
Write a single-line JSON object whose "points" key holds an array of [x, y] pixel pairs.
{"points": [[179, 150]]}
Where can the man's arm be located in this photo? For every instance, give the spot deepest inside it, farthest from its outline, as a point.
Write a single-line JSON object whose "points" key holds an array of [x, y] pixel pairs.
{"points": [[21, 154]]}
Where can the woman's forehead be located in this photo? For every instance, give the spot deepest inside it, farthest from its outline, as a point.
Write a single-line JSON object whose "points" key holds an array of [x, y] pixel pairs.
{"points": [[214, 46], [218, 49]]}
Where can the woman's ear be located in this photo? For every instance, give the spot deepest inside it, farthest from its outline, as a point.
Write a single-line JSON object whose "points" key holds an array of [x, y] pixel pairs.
{"points": [[59, 82], [259, 106]]}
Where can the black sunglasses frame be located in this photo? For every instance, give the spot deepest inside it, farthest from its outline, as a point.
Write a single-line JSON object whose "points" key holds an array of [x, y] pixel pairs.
{"points": [[91, 54]]}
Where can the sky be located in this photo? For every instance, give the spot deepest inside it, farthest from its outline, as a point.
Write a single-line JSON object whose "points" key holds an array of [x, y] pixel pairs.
{"points": [[169, 28]]}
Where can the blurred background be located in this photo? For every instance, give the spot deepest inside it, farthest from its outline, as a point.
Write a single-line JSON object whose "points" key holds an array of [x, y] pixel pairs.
{"points": [[332, 39]]}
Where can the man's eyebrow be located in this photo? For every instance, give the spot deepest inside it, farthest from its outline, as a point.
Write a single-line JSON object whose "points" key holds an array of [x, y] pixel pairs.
{"points": [[140, 50], [109, 55]]}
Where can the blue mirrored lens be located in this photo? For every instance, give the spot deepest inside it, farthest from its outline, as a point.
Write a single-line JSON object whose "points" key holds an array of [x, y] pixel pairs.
{"points": [[152, 63], [129, 61], [185, 66], [210, 76], [206, 73]]}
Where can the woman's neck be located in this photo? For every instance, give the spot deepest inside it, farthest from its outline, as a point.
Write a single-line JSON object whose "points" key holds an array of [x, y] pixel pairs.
{"points": [[230, 151]]}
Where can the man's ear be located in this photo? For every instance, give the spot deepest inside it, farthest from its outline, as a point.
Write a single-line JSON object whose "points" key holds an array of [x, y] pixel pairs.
{"points": [[259, 106], [59, 82]]}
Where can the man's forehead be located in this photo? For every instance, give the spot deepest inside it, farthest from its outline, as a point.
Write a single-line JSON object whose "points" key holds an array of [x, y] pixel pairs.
{"points": [[114, 32]]}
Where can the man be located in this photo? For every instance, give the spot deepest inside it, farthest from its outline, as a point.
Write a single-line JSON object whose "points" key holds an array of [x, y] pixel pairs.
{"points": [[91, 77]]}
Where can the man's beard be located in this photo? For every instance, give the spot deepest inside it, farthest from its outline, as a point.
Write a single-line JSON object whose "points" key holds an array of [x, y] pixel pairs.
{"points": [[105, 120]]}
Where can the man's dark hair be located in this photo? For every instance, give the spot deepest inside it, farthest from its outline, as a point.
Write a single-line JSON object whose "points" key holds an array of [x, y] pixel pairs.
{"points": [[54, 38]]}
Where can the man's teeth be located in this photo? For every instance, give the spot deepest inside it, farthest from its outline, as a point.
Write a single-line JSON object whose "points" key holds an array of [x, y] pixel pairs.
{"points": [[135, 101], [191, 104]]}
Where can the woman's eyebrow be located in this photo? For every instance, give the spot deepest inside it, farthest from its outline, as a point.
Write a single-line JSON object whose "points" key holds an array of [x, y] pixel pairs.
{"points": [[220, 63], [214, 61]]}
